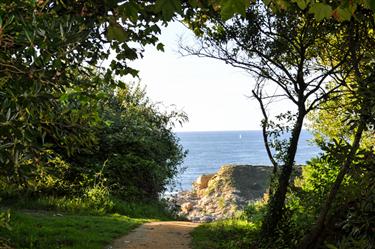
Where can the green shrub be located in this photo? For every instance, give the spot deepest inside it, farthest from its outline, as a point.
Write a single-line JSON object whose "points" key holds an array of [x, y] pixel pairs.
{"points": [[351, 219], [254, 212], [138, 155], [99, 198], [123, 141]]}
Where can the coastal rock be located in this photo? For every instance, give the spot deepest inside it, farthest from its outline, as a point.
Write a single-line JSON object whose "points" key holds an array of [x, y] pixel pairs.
{"points": [[207, 218], [202, 181], [221, 195], [186, 207]]}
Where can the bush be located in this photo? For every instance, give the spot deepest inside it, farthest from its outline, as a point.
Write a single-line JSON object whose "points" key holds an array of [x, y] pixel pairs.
{"points": [[98, 198], [138, 151], [351, 219], [131, 150]]}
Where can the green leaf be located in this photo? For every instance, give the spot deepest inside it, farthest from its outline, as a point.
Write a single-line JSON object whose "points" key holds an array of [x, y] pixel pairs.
{"points": [[116, 32], [342, 14], [330, 246], [231, 7], [8, 114], [168, 8], [321, 11], [302, 4], [130, 11], [29, 37], [108, 123], [160, 47], [267, 2]]}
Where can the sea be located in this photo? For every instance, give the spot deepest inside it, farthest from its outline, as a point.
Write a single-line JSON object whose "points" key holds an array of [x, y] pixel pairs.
{"points": [[208, 151]]}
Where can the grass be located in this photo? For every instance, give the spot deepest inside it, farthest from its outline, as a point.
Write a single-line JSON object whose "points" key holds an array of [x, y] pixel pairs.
{"points": [[236, 233], [152, 210], [227, 234], [60, 222], [44, 230]]}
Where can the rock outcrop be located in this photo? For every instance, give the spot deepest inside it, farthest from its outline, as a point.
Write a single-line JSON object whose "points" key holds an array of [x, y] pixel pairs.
{"points": [[220, 195]]}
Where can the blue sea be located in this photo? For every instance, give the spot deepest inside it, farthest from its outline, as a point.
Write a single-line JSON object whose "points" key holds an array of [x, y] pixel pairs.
{"points": [[207, 151]]}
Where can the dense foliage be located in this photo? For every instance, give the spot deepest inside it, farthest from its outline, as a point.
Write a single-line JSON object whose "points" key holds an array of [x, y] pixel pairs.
{"points": [[70, 130], [48, 48], [141, 150], [319, 64], [133, 151], [59, 104], [137, 154]]}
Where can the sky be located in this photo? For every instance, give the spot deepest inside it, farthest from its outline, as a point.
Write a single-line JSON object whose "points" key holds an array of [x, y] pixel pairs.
{"points": [[213, 95]]}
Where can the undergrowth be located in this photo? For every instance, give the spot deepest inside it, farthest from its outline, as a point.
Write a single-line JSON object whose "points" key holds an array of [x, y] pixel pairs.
{"points": [[45, 230]]}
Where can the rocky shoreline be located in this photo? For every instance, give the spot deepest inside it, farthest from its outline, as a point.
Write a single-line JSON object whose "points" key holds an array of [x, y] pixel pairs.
{"points": [[220, 195]]}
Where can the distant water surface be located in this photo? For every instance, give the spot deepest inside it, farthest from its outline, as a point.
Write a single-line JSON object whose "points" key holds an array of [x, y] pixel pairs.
{"points": [[207, 151]]}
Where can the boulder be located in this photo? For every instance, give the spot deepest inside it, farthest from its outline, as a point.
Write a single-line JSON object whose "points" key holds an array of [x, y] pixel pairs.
{"points": [[202, 181], [186, 207], [220, 195], [207, 218]]}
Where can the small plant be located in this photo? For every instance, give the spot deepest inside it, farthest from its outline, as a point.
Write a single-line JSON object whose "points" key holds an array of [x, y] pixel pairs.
{"points": [[98, 198], [5, 220]]}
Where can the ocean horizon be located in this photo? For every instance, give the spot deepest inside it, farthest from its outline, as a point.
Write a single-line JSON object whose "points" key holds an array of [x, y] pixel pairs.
{"points": [[209, 150]]}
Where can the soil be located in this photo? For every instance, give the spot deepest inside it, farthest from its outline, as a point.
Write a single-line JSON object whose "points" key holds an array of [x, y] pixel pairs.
{"points": [[158, 235]]}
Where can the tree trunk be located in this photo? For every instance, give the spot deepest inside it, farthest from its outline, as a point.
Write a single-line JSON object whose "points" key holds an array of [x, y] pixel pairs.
{"points": [[310, 241], [277, 201]]}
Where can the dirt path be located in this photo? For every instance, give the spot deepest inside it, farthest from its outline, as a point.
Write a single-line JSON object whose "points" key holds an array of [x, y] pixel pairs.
{"points": [[158, 235]]}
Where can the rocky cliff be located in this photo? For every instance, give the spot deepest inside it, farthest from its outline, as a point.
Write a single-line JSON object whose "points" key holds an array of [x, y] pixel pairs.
{"points": [[220, 195]]}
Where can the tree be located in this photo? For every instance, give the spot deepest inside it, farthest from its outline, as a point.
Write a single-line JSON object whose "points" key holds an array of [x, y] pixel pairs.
{"points": [[339, 10], [137, 154], [51, 48], [288, 50], [361, 114]]}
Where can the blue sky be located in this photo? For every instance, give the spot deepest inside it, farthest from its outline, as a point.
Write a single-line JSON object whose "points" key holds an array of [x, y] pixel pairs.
{"points": [[213, 94]]}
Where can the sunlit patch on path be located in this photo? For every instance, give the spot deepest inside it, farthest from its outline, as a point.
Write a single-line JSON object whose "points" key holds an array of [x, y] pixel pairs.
{"points": [[161, 235]]}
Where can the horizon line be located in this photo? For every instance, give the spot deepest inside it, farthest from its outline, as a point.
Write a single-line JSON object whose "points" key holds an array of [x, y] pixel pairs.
{"points": [[214, 130], [181, 131]]}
